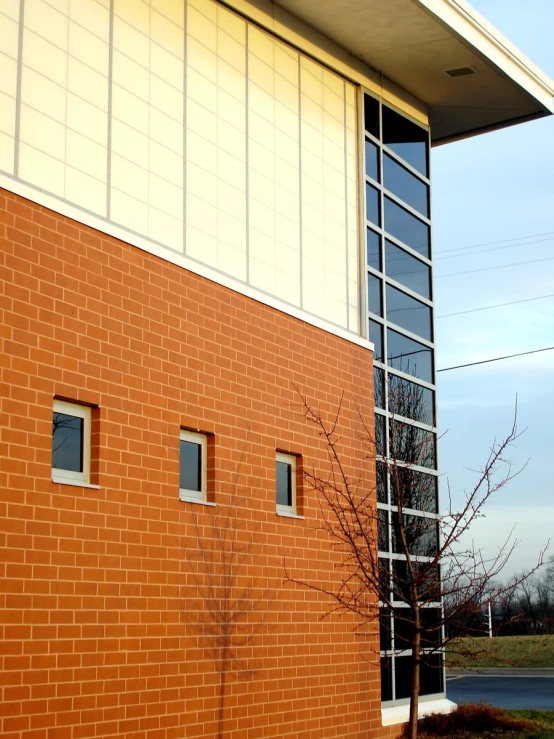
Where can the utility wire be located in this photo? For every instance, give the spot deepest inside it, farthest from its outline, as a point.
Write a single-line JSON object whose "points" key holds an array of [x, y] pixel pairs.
{"points": [[496, 359], [495, 248], [493, 243], [498, 305], [499, 266]]}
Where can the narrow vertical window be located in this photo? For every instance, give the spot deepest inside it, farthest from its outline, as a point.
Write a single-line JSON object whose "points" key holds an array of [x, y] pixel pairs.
{"points": [[70, 443], [285, 483], [193, 467]]}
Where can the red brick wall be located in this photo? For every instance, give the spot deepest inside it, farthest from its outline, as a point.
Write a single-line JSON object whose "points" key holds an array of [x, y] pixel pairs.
{"points": [[105, 621]]}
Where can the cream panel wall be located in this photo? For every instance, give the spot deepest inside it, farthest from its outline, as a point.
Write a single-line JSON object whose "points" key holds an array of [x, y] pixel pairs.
{"points": [[273, 167], [147, 114], [63, 122], [202, 137], [216, 204], [9, 44]]}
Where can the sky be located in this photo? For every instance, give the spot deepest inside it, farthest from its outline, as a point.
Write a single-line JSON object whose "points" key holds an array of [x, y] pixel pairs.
{"points": [[491, 188]]}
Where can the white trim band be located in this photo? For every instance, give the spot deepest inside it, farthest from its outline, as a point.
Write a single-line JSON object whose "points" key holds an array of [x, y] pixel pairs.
{"points": [[400, 714], [111, 229]]}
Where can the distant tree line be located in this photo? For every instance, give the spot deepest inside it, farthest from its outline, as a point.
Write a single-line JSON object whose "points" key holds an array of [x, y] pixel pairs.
{"points": [[527, 609]]}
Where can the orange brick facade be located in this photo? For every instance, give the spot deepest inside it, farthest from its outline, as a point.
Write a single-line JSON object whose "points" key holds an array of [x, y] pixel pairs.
{"points": [[108, 628]]}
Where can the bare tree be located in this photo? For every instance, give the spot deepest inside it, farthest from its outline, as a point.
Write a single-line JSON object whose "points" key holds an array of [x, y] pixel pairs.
{"points": [[431, 561]]}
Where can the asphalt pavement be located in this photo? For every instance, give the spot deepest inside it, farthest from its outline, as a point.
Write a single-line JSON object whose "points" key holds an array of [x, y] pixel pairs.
{"points": [[511, 691]]}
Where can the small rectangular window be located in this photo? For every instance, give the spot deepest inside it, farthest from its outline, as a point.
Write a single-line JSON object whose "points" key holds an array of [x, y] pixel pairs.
{"points": [[285, 483], [70, 443], [193, 466]]}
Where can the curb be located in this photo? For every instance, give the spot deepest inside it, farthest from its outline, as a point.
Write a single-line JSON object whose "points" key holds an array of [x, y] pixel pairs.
{"points": [[502, 672]]}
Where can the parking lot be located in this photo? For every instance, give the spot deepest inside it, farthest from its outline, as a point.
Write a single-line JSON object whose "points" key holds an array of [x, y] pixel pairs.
{"points": [[502, 691]]}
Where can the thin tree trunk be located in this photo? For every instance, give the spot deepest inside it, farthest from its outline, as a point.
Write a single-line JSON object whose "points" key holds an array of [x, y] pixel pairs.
{"points": [[222, 687], [414, 687], [221, 706]]}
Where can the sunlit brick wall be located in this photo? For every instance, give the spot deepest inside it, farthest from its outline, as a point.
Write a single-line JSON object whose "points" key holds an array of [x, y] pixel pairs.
{"points": [[105, 617]]}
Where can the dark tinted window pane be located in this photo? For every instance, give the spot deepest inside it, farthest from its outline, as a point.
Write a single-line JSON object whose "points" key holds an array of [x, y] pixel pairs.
{"points": [[385, 630], [408, 313], [376, 336], [408, 270], [417, 490], [421, 535], [386, 679], [372, 160], [411, 400], [373, 210], [409, 356], [426, 581], [384, 577], [431, 636], [406, 227], [381, 475], [412, 445], [402, 676], [371, 115], [374, 250], [403, 628], [284, 483], [67, 442], [380, 445], [375, 295], [190, 477], [378, 387], [430, 675], [402, 580], [406, 139], [382, 531], [405, 185]]}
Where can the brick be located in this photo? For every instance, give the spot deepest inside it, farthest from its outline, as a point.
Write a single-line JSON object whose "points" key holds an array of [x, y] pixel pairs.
{"points": [[106, 627]]}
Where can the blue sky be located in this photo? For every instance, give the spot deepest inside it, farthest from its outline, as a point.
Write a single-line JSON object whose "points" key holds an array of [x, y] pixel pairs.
{"points": [[489, 188]]}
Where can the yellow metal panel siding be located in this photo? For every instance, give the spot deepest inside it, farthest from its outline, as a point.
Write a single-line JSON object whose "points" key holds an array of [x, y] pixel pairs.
{"points": [[227, 146], [9, 43]]}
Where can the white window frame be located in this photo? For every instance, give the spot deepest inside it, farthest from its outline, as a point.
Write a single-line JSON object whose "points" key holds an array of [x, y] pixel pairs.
{"points": [[286, 510], [196, 496], [69, 477]]}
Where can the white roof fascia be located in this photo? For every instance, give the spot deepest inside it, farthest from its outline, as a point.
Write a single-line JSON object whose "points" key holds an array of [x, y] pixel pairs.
{"points": [[486, 40]]}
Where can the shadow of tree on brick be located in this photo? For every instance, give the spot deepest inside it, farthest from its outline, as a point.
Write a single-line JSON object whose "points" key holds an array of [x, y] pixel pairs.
{"points": [[232, 608]]}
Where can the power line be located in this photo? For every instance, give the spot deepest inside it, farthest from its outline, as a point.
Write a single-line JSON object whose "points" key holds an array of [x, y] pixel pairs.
{"points": [[499, 266], [493, 243], [498, 305], [496, 359], [496, 248]]}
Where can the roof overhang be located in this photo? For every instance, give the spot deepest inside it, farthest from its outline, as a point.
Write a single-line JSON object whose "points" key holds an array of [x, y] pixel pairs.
{"points": [[414, 42]]}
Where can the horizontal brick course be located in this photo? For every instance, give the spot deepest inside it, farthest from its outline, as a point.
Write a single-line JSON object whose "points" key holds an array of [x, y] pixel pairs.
{"points": [[106, 627]]}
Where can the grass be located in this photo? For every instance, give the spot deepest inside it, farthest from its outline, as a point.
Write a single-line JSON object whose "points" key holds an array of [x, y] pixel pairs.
{"points": [[478, 721], [503, 651], [543, 719]]}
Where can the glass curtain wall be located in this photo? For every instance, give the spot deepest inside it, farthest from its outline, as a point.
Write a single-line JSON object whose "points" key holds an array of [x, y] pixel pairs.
{"points": [[400, 318]]}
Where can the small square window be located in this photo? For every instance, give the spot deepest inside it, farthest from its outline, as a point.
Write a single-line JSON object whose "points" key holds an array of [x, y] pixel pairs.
{"points": [[70, 443], [285, 483], [193, 466]]}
